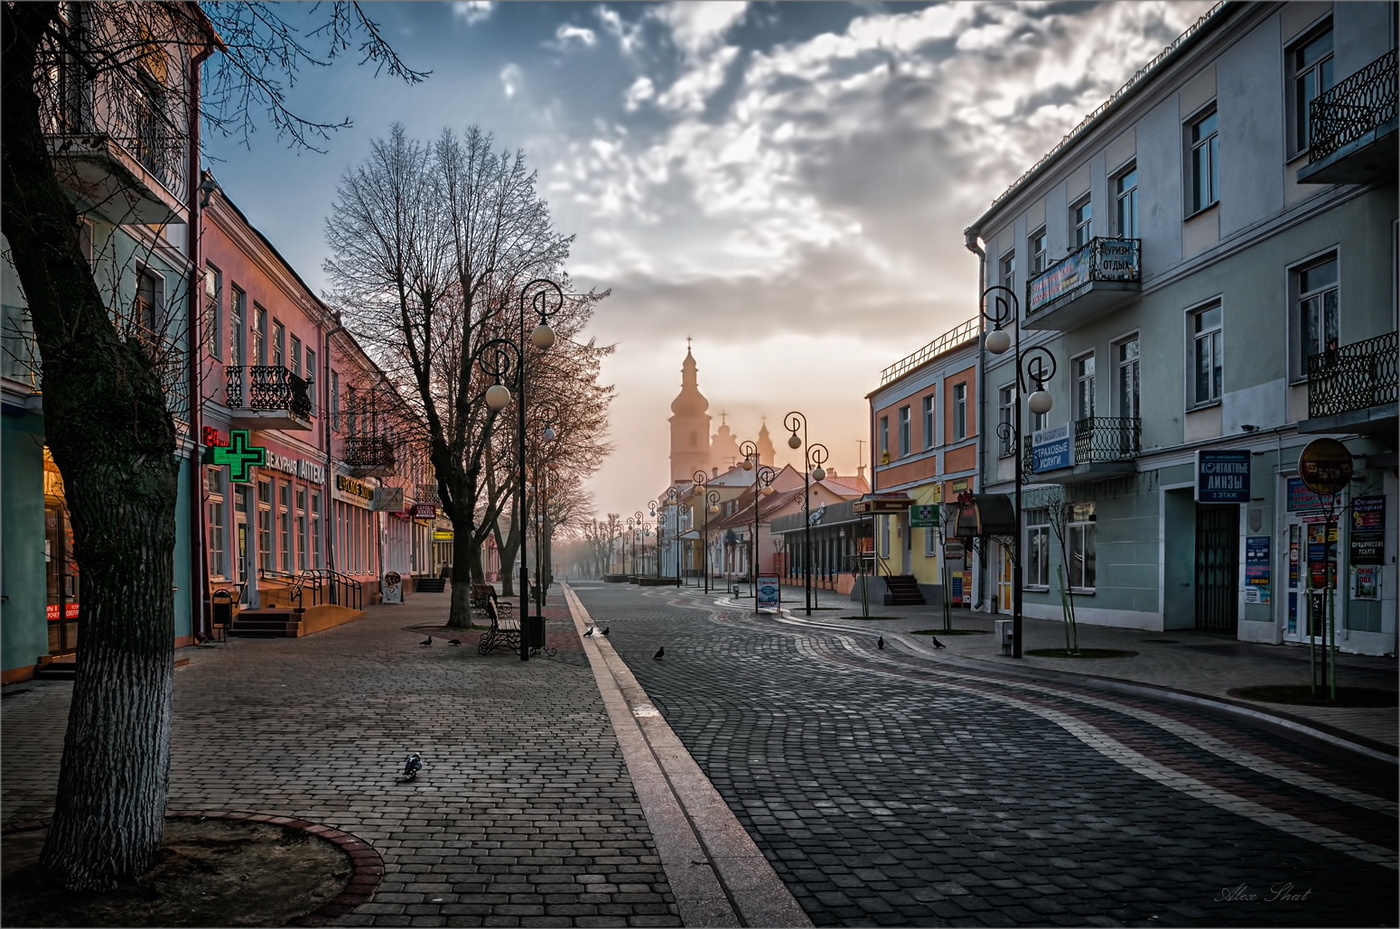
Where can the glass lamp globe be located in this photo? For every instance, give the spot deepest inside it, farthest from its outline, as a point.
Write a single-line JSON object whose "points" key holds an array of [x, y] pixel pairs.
{"points": [[542, 337], [819, 473], [794, 441], [748, 464], [998, 341], [1040, 402], [767, 490], [498, 397], [714, 508]]}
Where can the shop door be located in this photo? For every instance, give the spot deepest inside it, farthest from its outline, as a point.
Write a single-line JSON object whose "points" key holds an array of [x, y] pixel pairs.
{"points": [[1312, 619], [61, 574], [1217, 568], [243, 554], [1005, 572]]}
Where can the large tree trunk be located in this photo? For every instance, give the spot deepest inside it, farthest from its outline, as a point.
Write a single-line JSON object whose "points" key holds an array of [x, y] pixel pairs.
{"points": [[109, 431]]}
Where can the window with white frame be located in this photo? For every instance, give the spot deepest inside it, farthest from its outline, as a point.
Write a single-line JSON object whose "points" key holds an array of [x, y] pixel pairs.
{"points": [[237, 315], [314, 530], [335, 399], [303, 546], [1207, 361], [1006, 418], [1007, 268], [259, 353], [279, 344], [311, 376], [930, 542], [1081, 220], [265, 525], [296, 356], [213, 310], [904, 426], [884, 439], [1036, 248], [284, 525], [928, 408], [1126, 393], [148, 308], [1310, 73], [1084, 386], [214, 489], [959, 411], [1080, 542], [1317, 299], [1203, 141], [1125, 197], [1037, 548]]}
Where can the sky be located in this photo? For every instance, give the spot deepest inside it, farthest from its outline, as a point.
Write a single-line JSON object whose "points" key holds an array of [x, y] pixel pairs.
{"points": [[785, 184]]}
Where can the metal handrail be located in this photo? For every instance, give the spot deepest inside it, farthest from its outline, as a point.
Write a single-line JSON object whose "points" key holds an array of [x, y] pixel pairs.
{"points": [[267, 387], [964, 332], [1356, 376], [1349, 109], [1107, 438], [1102, 259]]}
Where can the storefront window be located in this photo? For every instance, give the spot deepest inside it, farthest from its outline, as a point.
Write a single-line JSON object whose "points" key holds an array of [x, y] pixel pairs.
{"points": [[284, 526], [265, 525], [301, 529]]}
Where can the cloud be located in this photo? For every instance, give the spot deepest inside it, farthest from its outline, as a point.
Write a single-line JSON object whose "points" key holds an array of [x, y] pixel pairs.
{"points": [[642, 90], [628, 35], [567, 34], [696, 27], [511, 79], [472, 11]]}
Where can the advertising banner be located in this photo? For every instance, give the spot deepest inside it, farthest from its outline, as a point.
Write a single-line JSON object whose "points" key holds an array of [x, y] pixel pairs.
{"points": [[1051, 448], [1222, 475], [769, 592]]}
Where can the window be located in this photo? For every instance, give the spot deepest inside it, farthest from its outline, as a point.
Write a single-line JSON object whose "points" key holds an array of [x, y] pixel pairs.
{"points": [[1204, 182], [237, 313], [147, 310], [1006, 419], [1037, 559], [1084, 386], [1007, 266], [265, 525], [1036, 248], [884, 440], [1310, 66], [315, 530], [279, 344], [928, 421], [930, 542], [1125, 194], [1081, 220], [1079, 536], [1316, 287], [311, 376], [214, 484], [1126, 353], [335, 399], [351, 420], [296, 356], [1208, 367], [259, 335], [213, 315], [284, 525], [903, 431], [302, 542], [959, 411]]}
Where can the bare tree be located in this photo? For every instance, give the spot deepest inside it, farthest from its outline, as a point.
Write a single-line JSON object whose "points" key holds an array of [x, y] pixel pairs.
{"points": [[433, 244], [85, 81]]}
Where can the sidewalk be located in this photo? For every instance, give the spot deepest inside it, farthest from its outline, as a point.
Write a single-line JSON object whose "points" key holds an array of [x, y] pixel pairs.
{"points": [[1183, 661]]}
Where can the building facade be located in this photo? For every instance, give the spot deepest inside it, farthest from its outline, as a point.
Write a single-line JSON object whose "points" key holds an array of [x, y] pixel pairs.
{"points": [[1210, 259]]}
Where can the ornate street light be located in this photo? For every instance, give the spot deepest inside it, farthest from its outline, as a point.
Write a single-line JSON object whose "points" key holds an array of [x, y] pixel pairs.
{"points": [[549, 417], [813, 457], [651, 511], [710, 500], [762, 484], [1034, 367]]}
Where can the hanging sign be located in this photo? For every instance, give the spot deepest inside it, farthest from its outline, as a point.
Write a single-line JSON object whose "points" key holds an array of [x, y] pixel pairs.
{"points": [[238, 456], [923, 515], [1325, 466], [1222, 475]]}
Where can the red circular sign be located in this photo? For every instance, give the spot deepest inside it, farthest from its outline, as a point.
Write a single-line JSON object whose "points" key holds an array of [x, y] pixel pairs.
{"points": [[1325, 466]]}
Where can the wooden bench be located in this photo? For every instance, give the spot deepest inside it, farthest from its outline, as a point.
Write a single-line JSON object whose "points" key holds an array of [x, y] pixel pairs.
{"points": [[505, 625]]}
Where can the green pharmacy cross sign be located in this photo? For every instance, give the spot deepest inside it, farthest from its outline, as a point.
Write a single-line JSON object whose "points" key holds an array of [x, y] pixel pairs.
{"points": [[238, 455]]}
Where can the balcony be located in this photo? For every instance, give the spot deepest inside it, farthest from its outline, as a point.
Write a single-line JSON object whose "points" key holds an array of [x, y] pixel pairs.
{"points": [[1090, 282], [1352, 128], [1104, 447], [130, 154], [267, 397], [368, 456], [1353, 388]]}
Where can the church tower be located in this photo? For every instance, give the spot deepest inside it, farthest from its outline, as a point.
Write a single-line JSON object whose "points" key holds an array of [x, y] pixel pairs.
{"points": [[690, 425], [764, 445], [724, 448]]}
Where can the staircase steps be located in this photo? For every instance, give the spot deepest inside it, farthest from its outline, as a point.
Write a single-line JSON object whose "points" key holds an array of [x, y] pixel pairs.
{"points": [[903, 590], [430, 585], [269, 623]]}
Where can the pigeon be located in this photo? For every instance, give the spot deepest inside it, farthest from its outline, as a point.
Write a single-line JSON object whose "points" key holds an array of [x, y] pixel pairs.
{"points": [[589, 632], [606, 630], [454, 641], [660, 652], [880, 641], [936, 643], [412, 766], [427, 641]]}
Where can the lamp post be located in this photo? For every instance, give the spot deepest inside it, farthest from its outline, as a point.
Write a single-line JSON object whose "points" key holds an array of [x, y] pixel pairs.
{"points": [[762, 483], [542, 337], [813, 457], [1035, 365], [671, 504], [710, 500], [651, 511], [549, 418]]}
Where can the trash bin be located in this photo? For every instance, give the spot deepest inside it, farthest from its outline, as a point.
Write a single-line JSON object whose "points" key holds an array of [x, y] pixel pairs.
{"points": [[534, 632], [1005, 634]]}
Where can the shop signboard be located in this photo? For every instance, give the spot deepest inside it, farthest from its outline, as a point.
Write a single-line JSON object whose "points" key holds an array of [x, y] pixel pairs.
{"points": [[1222, 475], [1367, 540], [1051, 448], [923, 515], [769, 592], [1257, 567]]}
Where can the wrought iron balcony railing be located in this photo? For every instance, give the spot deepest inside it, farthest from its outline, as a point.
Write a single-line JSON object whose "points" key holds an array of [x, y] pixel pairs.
{"points": [[1353, 107], [268, 389], [1100, 260], [1353, 377], [369, 455], [1107, 438]]}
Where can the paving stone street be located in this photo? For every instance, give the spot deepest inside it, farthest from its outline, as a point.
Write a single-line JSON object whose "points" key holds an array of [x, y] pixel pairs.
{"points": [[888, 790]]}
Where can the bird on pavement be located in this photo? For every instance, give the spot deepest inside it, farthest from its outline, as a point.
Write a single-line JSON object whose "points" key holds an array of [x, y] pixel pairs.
{"points": [[427, 641], [589, 632], [936, 643], [606, 630], [660, 652], [454, 641], [880, 641], [412, 766]]}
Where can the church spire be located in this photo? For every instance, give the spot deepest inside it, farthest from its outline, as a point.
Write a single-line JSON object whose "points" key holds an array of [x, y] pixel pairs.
{"points": [[690, 424]]}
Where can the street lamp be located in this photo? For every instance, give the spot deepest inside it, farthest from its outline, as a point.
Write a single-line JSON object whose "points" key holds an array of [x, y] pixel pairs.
{"points": [[670, 504], [544, 561], [762, 483], [651, 508], [710, 500], [1035, 365], [498, 396], [813, 457]]}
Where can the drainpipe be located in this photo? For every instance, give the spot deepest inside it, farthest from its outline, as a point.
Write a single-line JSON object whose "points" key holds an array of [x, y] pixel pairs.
{"points": [[970, 242], [200, 625]]}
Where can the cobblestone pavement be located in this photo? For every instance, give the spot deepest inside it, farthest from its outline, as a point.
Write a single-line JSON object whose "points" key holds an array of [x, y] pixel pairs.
{"points": [[524, 814], [888, 787]]}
